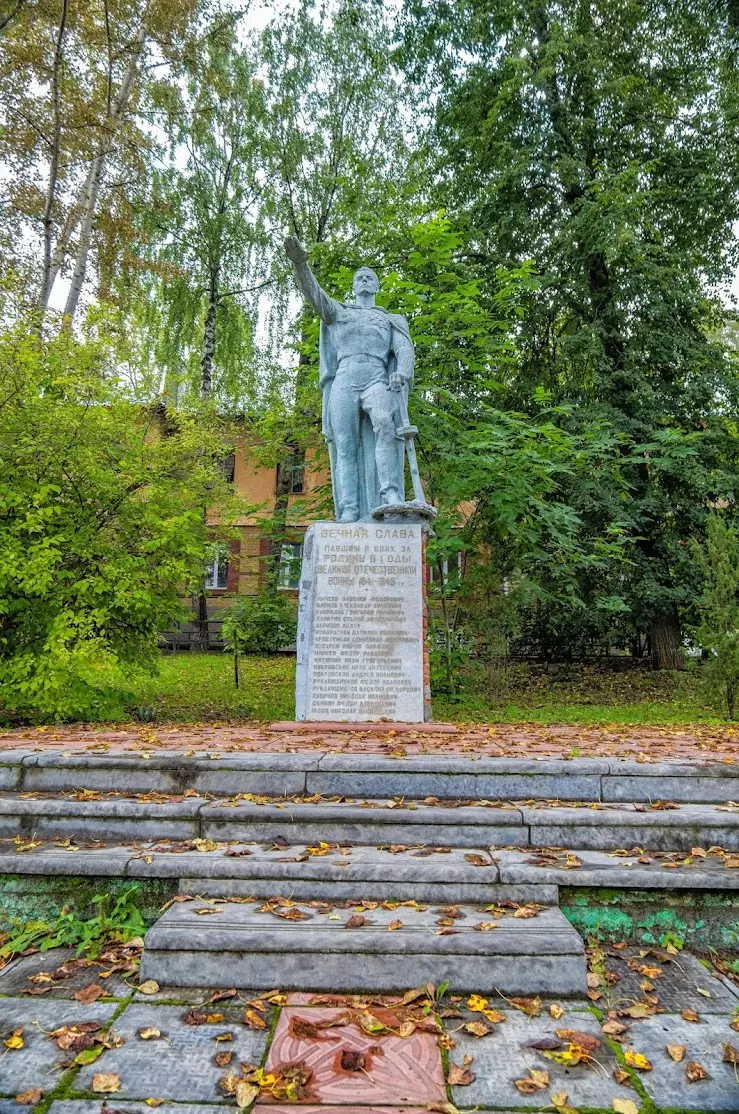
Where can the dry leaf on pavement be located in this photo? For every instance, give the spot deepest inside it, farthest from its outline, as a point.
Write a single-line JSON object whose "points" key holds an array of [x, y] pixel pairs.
{"points": [[695, 1072], [253, 1020], [89, 993], [731, 1054], [150, 986], [637, 1060], [535, 1081], [29, 1098], [106, 1083], [530, 1006], [477, 1028], [625, 1106], [690, 1015], [676, 1052]]}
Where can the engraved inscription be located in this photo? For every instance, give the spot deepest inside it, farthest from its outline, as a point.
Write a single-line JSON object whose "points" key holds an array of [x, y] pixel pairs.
{"points": [[366, 631]]}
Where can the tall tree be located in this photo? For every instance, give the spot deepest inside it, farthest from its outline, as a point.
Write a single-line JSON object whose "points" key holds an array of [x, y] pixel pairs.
{"points": [[600, 140], [77, 83], [201, 243], [338, 143]]}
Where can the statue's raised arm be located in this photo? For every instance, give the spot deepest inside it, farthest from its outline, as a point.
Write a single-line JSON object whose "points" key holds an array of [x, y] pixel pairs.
{"points": [[306, 281]]}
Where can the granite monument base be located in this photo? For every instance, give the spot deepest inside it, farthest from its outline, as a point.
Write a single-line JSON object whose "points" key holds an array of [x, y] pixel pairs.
{"points": [[362, 624]]}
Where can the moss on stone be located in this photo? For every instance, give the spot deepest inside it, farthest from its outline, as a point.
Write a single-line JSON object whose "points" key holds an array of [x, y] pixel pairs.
{"points": [[26, 897], [700, 919]]}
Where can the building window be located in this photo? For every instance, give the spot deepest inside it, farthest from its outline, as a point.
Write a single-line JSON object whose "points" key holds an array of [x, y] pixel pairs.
{"points": [[292, 473], [226, 467], [216, 571], [291, 560], [452, 569]]}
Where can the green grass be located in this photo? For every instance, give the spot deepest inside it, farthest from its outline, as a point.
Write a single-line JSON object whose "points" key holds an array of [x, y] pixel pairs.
{"points": [[199, 687]]}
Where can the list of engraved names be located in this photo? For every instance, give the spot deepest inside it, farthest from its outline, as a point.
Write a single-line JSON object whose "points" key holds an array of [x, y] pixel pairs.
{"points": [[366, 655]]}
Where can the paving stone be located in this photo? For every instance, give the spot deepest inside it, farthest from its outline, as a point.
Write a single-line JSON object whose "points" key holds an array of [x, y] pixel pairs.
{"points": [[506, 1055], [454, 777], [601, 869], [667, 1084], [619, 767], [107, 1103], [104, 863], [33, 1065], [597, 829], [112, 818], [677, 987], [404, 1072], [331, 890], [14, 979], [9, 1106], [362, 863], [181, 1068], [651, 787], [466, 826], [276, 1108], [11, 762], [172, 773]]}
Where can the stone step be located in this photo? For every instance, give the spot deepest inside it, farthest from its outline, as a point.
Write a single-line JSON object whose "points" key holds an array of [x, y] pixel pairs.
{"points": [[448, 777], [243, 945], [457, 874], [452, 875], [599, 869], [601, 827]]}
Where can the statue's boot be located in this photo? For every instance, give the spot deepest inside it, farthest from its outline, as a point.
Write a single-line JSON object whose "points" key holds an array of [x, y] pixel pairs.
{"points": [[391, 497]]}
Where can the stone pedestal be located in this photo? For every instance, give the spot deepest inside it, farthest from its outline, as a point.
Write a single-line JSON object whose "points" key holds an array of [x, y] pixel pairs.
{"points": [[361, 624]]}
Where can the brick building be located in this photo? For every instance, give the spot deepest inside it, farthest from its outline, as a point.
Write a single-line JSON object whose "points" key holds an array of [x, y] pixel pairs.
{"points": [[239, 567]]}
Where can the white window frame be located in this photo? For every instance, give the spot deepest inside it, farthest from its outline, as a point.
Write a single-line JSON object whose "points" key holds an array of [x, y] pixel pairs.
{"points": [[212, 569], [434, 569], [288, 563]]}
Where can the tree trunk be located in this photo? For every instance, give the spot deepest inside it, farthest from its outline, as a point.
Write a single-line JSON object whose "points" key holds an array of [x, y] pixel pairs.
{"points": [[666, 639], [209, 336], [202, 638], [92, 186], [56, 96]]}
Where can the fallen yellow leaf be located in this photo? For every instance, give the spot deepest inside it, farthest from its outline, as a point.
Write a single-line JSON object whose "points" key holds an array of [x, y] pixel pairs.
{"points": [[106, 1083], [637, 1060], [625, 1106]]}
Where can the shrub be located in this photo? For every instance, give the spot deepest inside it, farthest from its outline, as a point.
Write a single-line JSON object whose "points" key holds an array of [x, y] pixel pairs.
{"points": [[718, 606], [260, 624]]}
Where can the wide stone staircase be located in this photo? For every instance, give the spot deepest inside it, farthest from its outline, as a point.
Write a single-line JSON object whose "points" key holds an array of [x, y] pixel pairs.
{"points": [[327, 871]]}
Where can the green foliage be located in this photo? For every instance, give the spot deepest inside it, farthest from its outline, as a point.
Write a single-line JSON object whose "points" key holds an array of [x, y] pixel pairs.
{"points": [[116, 922], [499, 478], [718, 606], [600, 144], [260, 624], [101, 526], [199, 252]]}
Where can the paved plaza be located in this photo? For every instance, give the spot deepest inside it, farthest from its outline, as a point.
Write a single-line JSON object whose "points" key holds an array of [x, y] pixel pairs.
{"points": [[660, 1032]]}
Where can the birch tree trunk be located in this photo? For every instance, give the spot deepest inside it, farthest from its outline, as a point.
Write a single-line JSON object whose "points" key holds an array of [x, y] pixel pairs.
{"points": [[56, 95], [209, 334], [91, 189]]}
